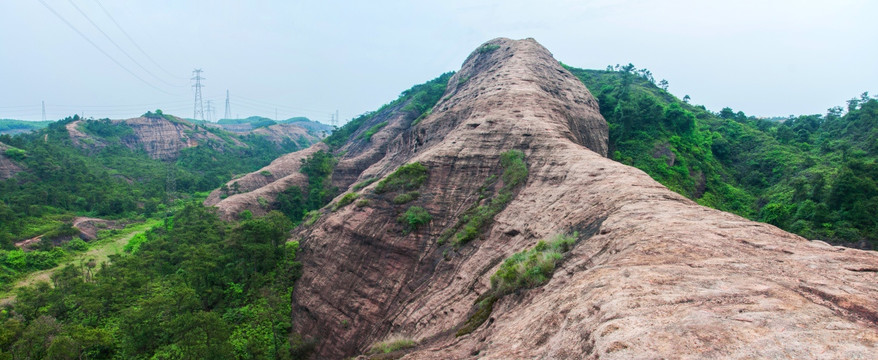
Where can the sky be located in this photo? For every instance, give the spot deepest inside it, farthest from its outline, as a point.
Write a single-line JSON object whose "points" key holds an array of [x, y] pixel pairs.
{"points": [[279, 59]]}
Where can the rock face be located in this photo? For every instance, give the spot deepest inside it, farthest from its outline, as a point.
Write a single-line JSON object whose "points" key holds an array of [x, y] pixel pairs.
{"points": [[244, 192], [8, 168], [652, 275], [163, 139]]}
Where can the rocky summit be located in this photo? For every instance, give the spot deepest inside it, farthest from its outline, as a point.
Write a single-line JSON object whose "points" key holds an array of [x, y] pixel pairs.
{"points": [[422, 257]]}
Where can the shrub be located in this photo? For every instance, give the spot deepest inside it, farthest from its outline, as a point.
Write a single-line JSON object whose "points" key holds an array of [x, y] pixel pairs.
{"points": [[414, 217], [362, 203], [77, 244], [15, 154], [488, 48], [407, 177], [345, 200], [265, 173], [406, 197], [134, 244]]}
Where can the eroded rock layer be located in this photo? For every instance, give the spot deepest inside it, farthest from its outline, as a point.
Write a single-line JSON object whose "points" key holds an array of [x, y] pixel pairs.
{"points": [[652, 275]]}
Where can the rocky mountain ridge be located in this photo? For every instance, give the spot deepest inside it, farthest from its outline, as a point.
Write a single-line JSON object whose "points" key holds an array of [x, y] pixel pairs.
{"points": [[163, 137], [649, 274]]}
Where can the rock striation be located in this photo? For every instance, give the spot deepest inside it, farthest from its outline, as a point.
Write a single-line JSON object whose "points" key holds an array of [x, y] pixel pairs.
{"points": [[651, 275], [244, 193]]}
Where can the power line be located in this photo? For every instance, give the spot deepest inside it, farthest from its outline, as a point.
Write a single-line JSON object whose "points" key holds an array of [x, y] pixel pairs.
{"points": [[117, 45], [99, 48], [145, 54]]}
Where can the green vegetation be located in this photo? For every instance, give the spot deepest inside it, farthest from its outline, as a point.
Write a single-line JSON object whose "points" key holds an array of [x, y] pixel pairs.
{"points": [[196, 288], [478, 217], [311, 217], [414, 217], [406, 197], [531, 268], [487, 48], [523, 270], [296, 202], [415, 101], [372, 130], [364, 183], [406, 177], [9, 126], [345, 200], [392, 345], [112, 181], [362, 203], [812, 174]]}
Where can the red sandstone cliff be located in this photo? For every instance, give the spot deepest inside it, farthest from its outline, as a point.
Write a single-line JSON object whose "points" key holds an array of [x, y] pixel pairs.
{"points": [[652, 275]]}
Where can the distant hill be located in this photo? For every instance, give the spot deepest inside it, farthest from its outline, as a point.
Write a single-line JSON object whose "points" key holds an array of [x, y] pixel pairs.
{"points": [[11, 126]]}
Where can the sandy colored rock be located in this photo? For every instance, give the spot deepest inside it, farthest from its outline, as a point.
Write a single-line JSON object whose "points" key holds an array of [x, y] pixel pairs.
{"points": [[264, 183], [653, 275]]}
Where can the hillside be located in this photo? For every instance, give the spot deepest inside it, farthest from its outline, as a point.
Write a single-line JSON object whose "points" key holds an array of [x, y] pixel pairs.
{"points": [[507, 158], [810, 174], [117, 169], [12, 127]]}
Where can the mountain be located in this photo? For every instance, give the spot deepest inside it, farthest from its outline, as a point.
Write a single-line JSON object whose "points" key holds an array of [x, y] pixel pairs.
{"points": [[488, 213], [122, 168], [11, 127], [499, 229]]}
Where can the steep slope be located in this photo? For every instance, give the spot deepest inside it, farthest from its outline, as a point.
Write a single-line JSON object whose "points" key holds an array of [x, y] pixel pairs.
{"points": [[244, 193], [652, 274], [8, 167]]}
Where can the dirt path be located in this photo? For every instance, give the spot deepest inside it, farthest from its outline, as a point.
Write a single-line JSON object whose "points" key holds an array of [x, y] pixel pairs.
{"points": [[100, 253]]}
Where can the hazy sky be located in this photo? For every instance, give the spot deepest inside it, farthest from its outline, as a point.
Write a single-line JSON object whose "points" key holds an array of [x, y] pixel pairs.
{"points": [[310, 58]]}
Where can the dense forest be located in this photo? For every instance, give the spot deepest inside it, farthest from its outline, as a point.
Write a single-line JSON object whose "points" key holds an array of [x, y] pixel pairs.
{"points": [[814, 175], [63, 180]]}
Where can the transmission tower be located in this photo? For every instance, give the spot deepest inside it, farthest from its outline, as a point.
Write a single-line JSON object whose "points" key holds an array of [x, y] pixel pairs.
{"points": [[228, 114], [44, 111], [199, 106], [209, 110]]}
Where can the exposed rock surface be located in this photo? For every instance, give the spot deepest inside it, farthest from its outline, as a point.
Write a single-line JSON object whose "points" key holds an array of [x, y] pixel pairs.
{"points": [[163, 139], [8, 167], [653, 275], [265, 183], [280, 133]]}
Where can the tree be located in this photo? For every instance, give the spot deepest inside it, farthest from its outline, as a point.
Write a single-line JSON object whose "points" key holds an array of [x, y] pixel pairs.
{"points": [[664, 85]]}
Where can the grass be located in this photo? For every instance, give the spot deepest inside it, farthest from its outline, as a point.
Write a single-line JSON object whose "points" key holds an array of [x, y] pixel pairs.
{"points": [[392, 344], [362, 203], [523, 270], [111, 244], [372, 130], [477, 218], [311, 217], [406, 197], [406, 177], [533, 267], [363, 184], [345, 200]]}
